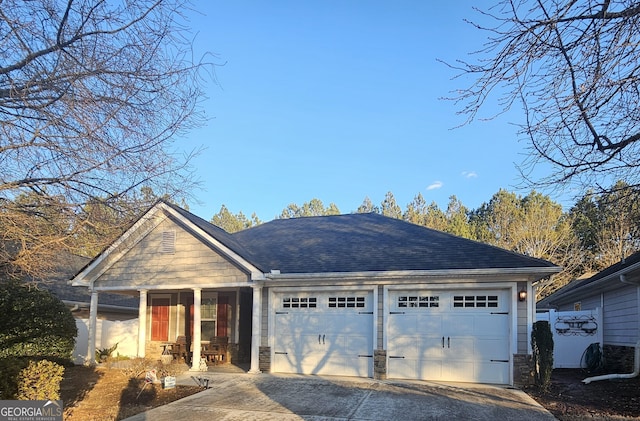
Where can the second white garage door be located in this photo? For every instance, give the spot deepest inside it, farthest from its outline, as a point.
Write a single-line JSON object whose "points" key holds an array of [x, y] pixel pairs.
{"points": [[323, 333], [449, 335]]}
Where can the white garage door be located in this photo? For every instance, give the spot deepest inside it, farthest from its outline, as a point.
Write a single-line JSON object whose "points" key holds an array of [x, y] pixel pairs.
{"points": [[453, 336], [324, 333]]}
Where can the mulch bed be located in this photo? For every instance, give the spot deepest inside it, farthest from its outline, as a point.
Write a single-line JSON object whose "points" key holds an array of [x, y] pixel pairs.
{"points": [[568, 398]]}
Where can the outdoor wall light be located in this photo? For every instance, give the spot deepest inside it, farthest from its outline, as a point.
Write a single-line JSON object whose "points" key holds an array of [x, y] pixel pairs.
{"points": [[522, 295]]}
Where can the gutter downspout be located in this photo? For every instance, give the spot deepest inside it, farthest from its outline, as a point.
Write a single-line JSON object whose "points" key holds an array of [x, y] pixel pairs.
{"points": [[636, 359], [623, 279], [636, 370]]}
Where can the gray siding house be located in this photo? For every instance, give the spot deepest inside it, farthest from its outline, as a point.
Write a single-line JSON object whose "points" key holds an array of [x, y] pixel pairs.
{"points": [[616, 292], [357, 295]]}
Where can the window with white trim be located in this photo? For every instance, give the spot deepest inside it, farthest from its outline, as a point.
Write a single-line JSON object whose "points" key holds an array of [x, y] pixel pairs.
{"points": [[299, 302], [208, 315], [349, 301], [418, 301], [475, 301]]}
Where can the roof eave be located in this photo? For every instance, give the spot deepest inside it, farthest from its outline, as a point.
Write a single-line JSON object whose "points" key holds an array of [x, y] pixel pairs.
{"points": [[581, 291], [238, 259], [86, 277], [106, 307], [534, 273], [83, 278]]}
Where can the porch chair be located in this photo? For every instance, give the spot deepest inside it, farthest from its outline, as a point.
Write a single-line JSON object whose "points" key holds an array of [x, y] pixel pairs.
{"points": [[209, 352], [221, 344], [180, 349]]}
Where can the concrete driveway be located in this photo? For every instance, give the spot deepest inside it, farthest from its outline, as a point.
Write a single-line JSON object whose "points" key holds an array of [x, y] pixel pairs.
{"points": [[234, 397]]}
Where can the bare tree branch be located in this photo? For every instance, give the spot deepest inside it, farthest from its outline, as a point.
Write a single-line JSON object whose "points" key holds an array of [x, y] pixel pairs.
{"points": [[574, 68], [93, 97]]}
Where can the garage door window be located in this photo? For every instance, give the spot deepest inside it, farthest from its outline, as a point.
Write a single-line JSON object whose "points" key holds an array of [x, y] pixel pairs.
{"points": [[475, 301], [347, 302], [418, 301], [299, 302]]}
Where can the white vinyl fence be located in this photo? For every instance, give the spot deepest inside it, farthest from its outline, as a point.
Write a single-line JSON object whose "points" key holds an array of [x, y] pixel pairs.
{"points": [[573, 332], [108, 333]]}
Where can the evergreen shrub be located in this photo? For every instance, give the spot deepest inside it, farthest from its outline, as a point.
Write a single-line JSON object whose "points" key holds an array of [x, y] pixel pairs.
{"points": [[10, 369], [34, 326], [34, 323], [542, 344]]}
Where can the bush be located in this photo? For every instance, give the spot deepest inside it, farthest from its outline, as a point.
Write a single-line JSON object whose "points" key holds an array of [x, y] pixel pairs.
{"points": [[10, 369], [34, 323], [137, 366], [105, 353], [542, 344], [40, 381]]}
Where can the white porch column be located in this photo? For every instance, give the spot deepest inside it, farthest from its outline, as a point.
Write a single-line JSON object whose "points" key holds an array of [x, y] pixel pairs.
{"points": [[256, 321], [90, 358], [197, 329], [142, 323]]}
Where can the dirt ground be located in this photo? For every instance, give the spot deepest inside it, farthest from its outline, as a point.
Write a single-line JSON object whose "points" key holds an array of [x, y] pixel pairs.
{"points": [[569, 399], [92, 394], [107, 394]]}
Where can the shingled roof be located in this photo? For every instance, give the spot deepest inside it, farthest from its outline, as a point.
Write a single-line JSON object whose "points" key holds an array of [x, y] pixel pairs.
{"points": [[359, 243], [69, 265], [606, 278], [368, 242]]}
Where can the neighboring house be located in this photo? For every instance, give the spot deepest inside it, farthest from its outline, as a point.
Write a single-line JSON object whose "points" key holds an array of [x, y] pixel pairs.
{"points": [[356, 295], [615, 292]]}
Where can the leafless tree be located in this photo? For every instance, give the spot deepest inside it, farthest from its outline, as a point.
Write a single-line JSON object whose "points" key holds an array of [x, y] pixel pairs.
{"points": [[93, 95], [573, 66]]}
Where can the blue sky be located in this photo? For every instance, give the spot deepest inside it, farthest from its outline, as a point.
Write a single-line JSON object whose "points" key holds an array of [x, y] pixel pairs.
{"points": [[339, 100]]}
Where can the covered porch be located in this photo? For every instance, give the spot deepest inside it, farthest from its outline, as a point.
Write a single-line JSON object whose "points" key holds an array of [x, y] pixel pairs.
{"points": [[198, 326], [192, 289]]}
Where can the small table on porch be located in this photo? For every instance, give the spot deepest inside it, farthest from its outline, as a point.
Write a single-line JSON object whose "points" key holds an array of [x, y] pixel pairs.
{"points": [[167, 348]]}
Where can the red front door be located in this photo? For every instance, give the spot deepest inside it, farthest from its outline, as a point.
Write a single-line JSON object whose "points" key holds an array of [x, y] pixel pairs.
{"points": [[160, 319]]}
